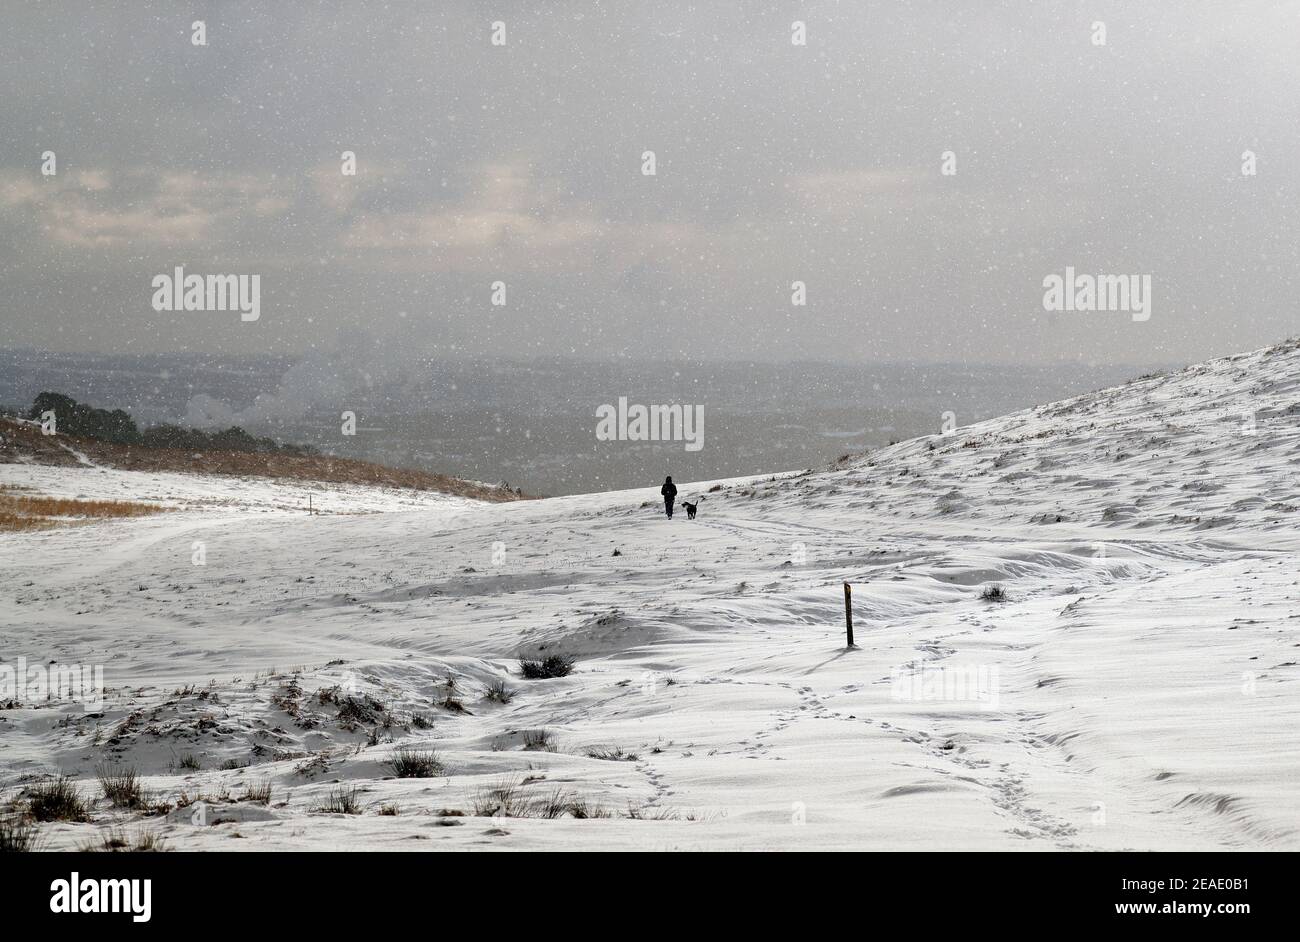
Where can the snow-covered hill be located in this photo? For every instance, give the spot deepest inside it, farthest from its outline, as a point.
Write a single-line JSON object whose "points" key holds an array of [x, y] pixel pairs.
{"points": [[1138, 687]]}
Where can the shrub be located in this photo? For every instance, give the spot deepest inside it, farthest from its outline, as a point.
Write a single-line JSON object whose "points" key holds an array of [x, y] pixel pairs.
{"points": [[411, 763], [343, 801], [994, 593], [553, 665], [259, 793], [550, 806], [117, 840], [611, 754], [149, 842], [57, 800], [502, 799], [505, 799], [121, 787], [498, 692], [18, 836], [218, 797], [539, 740], [580, 809], [364, 709]]}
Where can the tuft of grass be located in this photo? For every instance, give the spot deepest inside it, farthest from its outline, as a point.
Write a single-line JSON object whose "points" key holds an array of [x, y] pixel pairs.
{"points": [[18, 836], [539, 740], [343, 801], [259, 793], [505, 799], [498, 692], [421, 721], [500, 800], [416, 763], [221, 795], [56, 799], [122, 787], [313, 765], [389, 810], [579, 808], [993, 593], [116, 840], [611, 754], [190, 762], [551, 805], [553, 665], [364, 709]]}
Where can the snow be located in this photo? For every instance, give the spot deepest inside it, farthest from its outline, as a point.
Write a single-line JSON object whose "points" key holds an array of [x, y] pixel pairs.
{"points": [[1139, 684], [194, 492]]}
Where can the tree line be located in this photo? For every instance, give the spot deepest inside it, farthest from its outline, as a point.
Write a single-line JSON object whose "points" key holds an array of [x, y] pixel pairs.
{"points": [[117, 427]]}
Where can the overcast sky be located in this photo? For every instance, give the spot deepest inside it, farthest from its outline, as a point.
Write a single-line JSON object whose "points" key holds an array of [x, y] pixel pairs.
{"points": [[522, 163]]}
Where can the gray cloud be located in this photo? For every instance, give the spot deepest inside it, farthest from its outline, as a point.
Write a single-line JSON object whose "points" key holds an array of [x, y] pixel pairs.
{"points": [[776, 163]]}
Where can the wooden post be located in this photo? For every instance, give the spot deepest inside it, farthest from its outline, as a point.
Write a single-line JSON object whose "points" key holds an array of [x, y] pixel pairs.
{"points": [[848, 611], [309, 505]]}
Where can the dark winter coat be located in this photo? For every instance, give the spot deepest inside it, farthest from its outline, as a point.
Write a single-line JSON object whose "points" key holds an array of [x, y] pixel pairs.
{"points": [[669, 490]]}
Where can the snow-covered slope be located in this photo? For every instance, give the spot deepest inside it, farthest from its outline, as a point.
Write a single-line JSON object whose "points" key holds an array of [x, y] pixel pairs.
{"points": [[1138, 688]]}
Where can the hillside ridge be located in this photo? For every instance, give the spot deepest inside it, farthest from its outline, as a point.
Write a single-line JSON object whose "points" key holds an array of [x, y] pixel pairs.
{"points": [[22, 442]]}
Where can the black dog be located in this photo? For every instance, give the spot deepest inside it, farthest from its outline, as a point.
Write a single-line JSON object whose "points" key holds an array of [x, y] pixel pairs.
{"points": [[690, 508]]}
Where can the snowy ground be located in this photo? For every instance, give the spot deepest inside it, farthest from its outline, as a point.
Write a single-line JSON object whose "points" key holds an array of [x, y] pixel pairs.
{"points": [[1138, 689], [179, 491]]}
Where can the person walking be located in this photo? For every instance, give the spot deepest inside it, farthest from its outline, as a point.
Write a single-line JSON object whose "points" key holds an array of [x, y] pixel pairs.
{"points": [[669, 490]]}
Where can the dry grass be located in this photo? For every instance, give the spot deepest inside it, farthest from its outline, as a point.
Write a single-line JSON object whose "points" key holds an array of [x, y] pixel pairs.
{"points": [[20, 512], [117, 840], [415, 763], [506, 799], [56, 799], [259, 793], [122, 787], [17, 835], [553, 665], [994, 593], [343, 800], [539, 740], [26, 443]]}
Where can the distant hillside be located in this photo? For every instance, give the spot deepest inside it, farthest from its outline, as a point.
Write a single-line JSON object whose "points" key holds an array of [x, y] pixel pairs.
{"points": [[23, 442]]}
